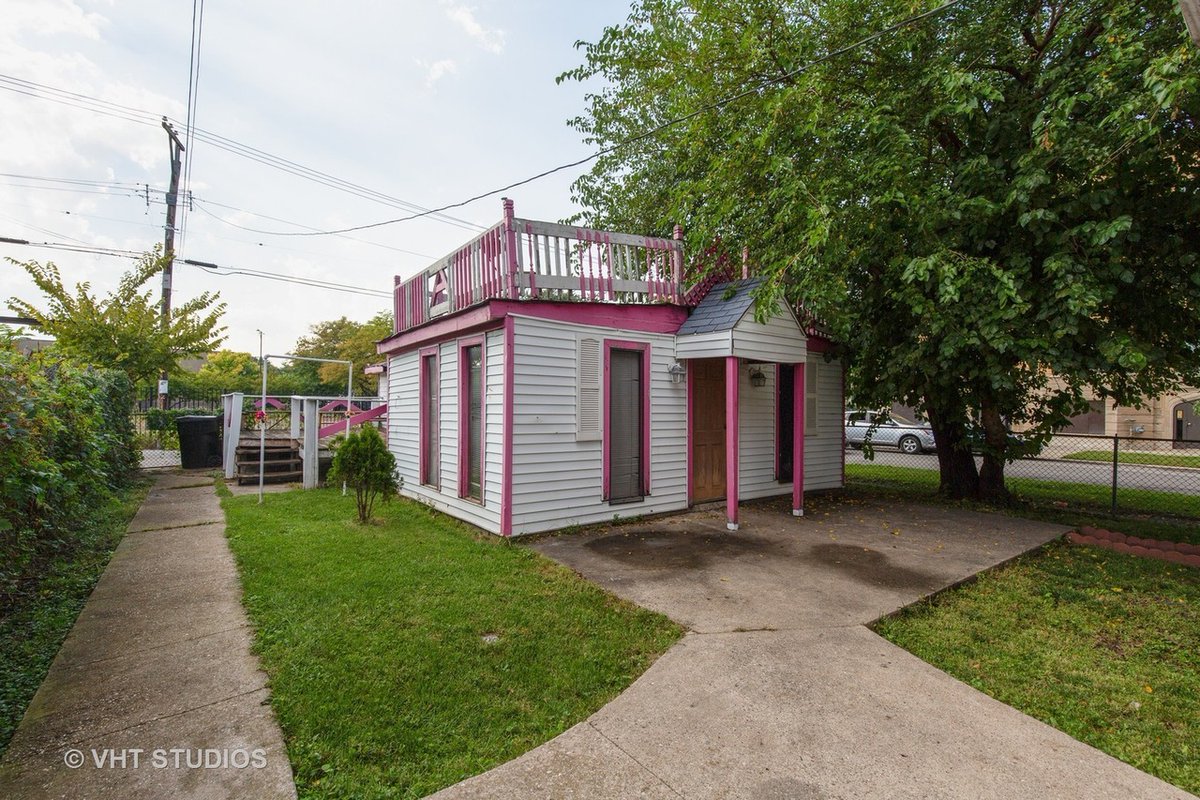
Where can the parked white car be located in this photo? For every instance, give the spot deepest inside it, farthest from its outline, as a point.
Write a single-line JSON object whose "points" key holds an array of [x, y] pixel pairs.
{"points": [[870, 427]]}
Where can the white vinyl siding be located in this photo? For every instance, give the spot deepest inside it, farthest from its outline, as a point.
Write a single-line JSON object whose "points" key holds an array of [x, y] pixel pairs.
{"points": [[823, 451], [557, 480], [705, 345], [403, 439], [814, 374], [756, 434], [779, 339]]}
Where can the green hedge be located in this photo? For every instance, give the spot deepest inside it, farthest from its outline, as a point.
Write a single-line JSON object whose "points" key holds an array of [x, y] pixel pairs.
{"points": [[66, 446]]}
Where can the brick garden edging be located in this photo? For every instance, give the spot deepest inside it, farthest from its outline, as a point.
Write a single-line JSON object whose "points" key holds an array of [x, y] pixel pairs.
{"points": [[1176, 552]]}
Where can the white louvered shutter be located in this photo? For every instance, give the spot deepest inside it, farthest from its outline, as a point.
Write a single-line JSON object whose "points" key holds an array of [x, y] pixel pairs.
{"points": [[588, 417]]}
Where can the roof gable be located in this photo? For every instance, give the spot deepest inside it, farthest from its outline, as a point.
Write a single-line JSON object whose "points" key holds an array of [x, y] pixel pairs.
{"points": [[722, 308]]}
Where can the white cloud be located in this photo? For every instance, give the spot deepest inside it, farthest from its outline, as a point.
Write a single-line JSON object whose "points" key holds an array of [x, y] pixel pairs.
{"points": [[491, 40], [437, 70]]}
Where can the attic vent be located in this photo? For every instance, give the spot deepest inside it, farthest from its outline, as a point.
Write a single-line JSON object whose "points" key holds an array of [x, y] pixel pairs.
{"points": [[587, 412]]}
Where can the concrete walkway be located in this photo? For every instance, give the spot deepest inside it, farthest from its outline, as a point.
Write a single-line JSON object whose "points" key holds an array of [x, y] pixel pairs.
{"points": [[158, 662], [779, 691]]}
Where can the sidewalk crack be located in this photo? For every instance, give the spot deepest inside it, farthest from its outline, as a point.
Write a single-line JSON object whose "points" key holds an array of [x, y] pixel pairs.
{"points": [[173, 714], [634, 759]]}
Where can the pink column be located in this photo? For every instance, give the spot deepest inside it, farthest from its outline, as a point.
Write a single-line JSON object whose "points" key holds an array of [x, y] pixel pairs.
{"points": [[798, 406], [731, 442], [677, 268]]}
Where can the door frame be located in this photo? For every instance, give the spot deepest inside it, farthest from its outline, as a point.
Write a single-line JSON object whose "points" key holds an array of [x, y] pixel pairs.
{"points": [[718, 365], [646, 352]]}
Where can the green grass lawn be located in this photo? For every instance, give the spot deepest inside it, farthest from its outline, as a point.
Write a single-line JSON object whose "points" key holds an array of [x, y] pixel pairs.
{"points": [[1103, 646], [1157, 459], [373, 638], [1145, 513], [34, 624]]}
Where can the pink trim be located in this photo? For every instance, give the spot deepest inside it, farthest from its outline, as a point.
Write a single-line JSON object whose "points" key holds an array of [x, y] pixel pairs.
{"points": [[677, 267], [644, 348], [422, 404], [799, 405], [357, 419], [691, 420], [463, 422], [819, 344], [731, 440], [506, 489], [334, 405], [273, 402], [641, 318], [841, 424]]}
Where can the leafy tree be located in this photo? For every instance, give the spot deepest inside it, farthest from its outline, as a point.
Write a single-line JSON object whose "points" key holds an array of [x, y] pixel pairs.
{"points": [[364, 462], [974, 203], [225, 371], [123, 329], [346, 340]]}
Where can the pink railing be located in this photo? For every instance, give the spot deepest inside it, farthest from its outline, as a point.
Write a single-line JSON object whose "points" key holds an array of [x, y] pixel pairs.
{"points": [[525, 259]]}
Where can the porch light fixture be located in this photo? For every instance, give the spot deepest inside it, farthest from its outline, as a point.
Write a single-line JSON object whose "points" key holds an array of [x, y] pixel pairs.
{"points": [[757, 377], [677, 371]]}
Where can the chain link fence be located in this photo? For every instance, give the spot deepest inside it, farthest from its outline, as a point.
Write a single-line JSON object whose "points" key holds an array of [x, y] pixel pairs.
{"points": [[154, 428], [1119, 474]]}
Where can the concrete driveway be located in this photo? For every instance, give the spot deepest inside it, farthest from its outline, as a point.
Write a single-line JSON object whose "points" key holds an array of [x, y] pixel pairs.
{"points": [[780, 691]]}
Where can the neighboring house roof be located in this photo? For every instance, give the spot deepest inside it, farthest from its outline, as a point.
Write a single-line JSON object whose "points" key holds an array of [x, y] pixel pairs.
{"points": [[722, 308]]}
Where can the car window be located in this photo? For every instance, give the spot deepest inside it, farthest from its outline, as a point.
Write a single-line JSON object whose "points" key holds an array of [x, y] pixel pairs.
{"points": [[855, 417]]}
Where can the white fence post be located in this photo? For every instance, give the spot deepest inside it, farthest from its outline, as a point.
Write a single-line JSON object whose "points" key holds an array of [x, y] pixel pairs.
{"points": [[310, 452], [232, 424]]}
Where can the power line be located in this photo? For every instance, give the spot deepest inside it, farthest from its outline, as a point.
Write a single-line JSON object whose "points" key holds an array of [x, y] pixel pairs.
{"points": [[139, 116], [192, 100], [72, 181], [217, 269], [200, 204], [714, 106], [75, 248], [212, 269]]}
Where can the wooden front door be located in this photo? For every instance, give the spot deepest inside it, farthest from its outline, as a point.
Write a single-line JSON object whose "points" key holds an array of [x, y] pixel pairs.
{"points": [[708, 429]]}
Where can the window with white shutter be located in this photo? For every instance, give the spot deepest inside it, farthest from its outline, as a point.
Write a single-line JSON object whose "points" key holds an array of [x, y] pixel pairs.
{"points": [[811, 377], [590, 371]]}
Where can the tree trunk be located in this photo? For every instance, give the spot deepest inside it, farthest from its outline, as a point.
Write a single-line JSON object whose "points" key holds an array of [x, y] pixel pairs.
{"points": [[959, 476], [991, 476]]}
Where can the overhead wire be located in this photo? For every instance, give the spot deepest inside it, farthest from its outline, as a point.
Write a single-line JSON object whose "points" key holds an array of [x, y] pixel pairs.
{"points": [[200, 203], [214, 269], [139, 116], [708, 107], [190, 123]]}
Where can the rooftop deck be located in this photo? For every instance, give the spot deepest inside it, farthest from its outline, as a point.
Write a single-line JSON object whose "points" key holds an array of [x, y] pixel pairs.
{"points": [[521, 259]]}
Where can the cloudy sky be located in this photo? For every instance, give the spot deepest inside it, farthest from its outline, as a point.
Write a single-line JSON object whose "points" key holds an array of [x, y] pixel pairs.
{"points": [[422, 102]]}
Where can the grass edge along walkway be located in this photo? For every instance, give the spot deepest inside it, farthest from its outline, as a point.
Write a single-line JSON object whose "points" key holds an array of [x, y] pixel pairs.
{"points": [[34, 628], [407, 655], [1103, 646]]}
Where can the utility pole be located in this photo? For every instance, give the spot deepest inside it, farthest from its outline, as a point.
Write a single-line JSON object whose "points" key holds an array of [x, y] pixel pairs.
{"points": [[176, 148]]}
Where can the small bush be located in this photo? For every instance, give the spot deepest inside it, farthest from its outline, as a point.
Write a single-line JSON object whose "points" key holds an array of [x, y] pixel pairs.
{"points": [[364, 462]]}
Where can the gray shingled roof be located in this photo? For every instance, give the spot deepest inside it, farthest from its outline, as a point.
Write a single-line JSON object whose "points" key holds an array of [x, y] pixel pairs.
{"points": [[716, 313]]}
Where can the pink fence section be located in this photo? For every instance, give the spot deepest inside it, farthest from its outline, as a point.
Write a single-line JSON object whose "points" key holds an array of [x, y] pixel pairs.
{"points": [[356, 419], [525, 259]]}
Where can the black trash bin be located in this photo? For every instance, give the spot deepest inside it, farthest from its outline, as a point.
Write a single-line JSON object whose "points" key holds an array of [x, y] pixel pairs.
{"points": [[199, 441]]}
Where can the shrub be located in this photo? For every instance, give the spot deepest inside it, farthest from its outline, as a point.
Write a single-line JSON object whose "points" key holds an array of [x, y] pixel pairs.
{"points": [[364, 462], [66, 442]]}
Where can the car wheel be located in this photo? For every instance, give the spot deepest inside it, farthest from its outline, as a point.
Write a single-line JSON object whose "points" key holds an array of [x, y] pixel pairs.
{"points": [[909, 445]]}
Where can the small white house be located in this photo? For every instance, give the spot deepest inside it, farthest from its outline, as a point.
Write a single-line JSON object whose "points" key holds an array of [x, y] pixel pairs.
{"points": [[544, 376]]}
